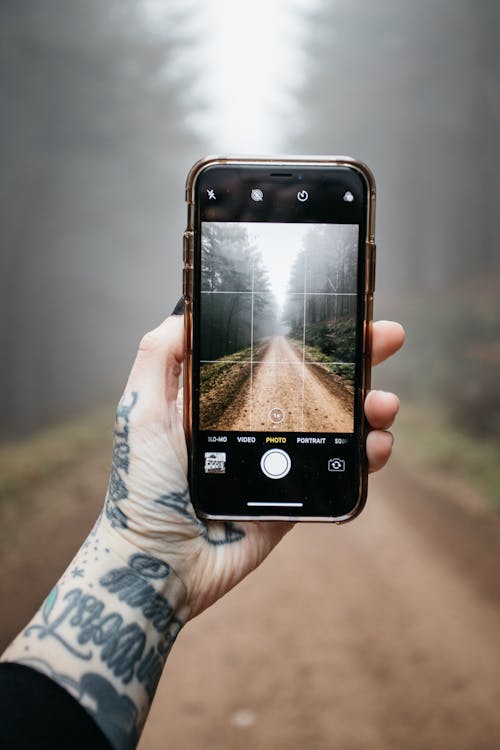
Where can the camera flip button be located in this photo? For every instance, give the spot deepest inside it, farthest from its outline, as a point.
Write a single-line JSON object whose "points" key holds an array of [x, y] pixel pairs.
{"points": [[336, 464], [275, 463]]}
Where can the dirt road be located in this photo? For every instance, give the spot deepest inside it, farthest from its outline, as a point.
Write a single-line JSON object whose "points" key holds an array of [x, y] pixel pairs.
{"points": [[380, 635], [285, 395]]}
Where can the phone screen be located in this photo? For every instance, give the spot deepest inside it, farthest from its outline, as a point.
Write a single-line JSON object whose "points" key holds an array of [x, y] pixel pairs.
{"points": [[278, 313]]}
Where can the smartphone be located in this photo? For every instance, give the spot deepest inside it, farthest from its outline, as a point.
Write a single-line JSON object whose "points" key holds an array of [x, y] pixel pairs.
{"points": [[279, 274]]}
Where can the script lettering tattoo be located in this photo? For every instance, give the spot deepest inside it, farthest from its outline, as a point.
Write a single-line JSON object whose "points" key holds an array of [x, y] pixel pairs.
{"points": [[121, 645], [132, 588], [216, 534], [49, 629], [117, 488], [149, 671], [150, 667]]}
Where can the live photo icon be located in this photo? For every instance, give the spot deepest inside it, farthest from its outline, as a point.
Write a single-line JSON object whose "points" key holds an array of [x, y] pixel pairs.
{"points": [[215, 463]]}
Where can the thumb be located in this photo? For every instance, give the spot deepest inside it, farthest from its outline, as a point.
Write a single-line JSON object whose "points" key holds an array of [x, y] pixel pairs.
{"points": [[158, 364]]}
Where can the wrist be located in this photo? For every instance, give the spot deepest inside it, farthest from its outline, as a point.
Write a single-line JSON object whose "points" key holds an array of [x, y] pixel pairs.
{"points": [[105, 631]]}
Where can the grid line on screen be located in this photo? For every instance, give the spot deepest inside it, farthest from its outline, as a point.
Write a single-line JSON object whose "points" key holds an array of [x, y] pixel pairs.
{"points": [[290, 294], [262, 362], [251, 343], [304, 337], [266, 321]]}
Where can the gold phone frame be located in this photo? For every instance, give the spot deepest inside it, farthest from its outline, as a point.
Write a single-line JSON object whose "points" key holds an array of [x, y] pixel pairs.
{"points": [[187, 287]]}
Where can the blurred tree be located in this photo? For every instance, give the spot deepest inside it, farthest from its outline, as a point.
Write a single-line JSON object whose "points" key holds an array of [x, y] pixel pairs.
{"points": [[94, 150], [414, 90], [325, 269]]}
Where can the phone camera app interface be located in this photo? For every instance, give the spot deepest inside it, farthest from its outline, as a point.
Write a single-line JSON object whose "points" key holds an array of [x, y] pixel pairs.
{"points": [[278, 328]]}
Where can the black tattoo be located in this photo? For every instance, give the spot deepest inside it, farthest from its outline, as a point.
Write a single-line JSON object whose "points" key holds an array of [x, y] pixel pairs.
{"points": [[132, 588], [229, 533], [117, 488], [121, 645], [116, 714], [180, 502], [50, 626], [149, 671], [216, 534]]}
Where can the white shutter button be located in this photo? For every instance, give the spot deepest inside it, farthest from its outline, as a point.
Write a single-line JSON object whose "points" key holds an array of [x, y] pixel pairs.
{"points": [[275, 463]]}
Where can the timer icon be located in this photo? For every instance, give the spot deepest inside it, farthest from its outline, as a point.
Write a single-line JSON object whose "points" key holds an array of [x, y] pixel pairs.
{"points": [[302, 196]]}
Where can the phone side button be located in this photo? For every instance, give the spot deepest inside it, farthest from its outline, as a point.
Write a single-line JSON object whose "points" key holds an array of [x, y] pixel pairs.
{"points": [[187, 248], [373, 259], [187, 282]]}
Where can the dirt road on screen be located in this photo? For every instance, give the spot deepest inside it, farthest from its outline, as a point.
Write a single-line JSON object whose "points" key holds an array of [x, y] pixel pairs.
{"points": [[283, 395]]}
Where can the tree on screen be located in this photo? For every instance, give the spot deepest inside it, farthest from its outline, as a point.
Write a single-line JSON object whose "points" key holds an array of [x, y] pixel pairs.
{"points": [[237, 303]]}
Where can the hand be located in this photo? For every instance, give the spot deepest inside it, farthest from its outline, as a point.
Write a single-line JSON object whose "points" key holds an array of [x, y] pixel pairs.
{"points": [[148, 496]]}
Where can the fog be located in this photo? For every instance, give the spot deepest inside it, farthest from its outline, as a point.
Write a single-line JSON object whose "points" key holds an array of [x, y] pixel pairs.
{"points": [[381, 634], [106, 105]]}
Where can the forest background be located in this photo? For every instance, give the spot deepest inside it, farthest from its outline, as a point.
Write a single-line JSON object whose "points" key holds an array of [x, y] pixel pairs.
{"points": [[94, 153], [105, 105]]}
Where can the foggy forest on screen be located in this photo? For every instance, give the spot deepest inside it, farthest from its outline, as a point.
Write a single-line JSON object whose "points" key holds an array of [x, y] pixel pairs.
{"points": [[278, 326]]}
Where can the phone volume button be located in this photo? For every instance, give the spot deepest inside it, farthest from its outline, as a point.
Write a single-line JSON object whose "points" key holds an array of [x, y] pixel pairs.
{"points": [[187, 248], [370, 267], [187, 282], [373, 260]]}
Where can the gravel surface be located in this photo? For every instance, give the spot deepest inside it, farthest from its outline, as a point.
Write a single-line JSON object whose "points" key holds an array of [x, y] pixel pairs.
{"points": [[383, 634], [307, 399]]}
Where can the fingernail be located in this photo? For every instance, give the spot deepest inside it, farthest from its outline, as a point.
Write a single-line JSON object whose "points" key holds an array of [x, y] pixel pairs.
{"points": [[179, 308]]}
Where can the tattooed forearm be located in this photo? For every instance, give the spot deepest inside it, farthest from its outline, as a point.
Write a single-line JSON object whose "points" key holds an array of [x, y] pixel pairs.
{"points": [[79, 619], [117, 488], [105, 630], [106, 640]]}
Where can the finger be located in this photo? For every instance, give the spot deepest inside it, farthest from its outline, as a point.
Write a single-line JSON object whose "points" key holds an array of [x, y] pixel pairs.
{"points": [[381, 409], [180, 402], [157, 366], [378, 449], [387, 338]]}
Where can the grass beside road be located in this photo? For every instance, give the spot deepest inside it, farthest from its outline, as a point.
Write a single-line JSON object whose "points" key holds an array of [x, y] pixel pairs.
{"points": [[427, 441], [210, 374], [29, 460]]}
